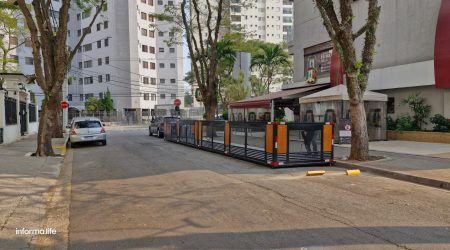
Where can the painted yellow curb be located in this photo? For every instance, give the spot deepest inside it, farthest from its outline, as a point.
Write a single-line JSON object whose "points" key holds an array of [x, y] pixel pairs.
{"points": [[63, 149], [353, 172], [315, 173]]}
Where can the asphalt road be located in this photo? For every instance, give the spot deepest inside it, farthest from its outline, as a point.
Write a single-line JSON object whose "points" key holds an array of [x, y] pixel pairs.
{"points": [[140, 192]]}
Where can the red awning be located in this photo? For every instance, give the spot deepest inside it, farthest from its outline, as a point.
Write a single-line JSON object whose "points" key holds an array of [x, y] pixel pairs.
{"points": [[265, 100]]}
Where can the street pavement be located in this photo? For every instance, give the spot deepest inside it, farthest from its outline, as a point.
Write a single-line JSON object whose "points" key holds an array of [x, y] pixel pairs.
{"points": [[140, 192]]}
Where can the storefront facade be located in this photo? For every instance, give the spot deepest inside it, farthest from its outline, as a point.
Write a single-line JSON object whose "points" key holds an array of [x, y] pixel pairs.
{"points": [[412, 51]]}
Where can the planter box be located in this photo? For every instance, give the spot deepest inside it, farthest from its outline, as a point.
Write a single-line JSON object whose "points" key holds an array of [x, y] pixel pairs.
{"points": [[437, 137]]}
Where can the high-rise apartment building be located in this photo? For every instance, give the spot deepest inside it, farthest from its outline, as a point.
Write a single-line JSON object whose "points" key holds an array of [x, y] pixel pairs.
{"points": [[126, 53], [265, 20]]}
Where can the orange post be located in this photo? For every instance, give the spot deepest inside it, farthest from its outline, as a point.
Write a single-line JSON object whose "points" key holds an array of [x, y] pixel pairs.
{"points": [[269, 138], [227, 133], [327, 138], [282, 139]]}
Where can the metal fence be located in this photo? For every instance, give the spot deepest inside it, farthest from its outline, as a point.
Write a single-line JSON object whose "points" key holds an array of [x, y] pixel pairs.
{"points": [[10, 111], [274, 144]]}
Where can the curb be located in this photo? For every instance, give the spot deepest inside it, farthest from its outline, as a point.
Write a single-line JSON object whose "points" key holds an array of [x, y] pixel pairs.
{"points": [[396, 175]]}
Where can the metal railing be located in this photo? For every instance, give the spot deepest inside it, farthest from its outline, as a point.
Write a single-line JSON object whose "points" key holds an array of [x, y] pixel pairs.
{"points": [[273, 144]]}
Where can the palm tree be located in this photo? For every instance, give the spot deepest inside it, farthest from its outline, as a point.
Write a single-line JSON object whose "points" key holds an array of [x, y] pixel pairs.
{"points": [[270, 60]]}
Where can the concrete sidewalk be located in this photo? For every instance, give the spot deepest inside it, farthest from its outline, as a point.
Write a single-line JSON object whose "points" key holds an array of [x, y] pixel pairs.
{"points": [[422, 163], [24, 189]]}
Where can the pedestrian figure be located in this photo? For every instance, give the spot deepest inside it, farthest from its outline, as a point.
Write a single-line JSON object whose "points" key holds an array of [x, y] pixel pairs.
{"points": [[309, 136]]}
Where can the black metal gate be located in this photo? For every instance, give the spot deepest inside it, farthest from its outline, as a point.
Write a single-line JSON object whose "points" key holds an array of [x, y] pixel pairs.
{"points": [[23, 118]]}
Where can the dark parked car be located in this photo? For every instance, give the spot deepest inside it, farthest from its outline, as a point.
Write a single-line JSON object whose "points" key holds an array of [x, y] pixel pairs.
{"points": [[157, 125]]}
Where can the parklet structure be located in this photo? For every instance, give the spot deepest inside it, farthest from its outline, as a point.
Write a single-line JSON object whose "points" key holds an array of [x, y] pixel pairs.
{"points": [[272, 144]]}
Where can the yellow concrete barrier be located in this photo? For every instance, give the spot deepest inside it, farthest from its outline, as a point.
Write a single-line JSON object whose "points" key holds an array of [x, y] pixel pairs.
{"points": [[315, 172], [353, 172]]}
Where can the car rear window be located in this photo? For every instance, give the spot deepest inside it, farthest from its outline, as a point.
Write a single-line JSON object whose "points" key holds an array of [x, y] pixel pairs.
{"points": [[88, 124]]}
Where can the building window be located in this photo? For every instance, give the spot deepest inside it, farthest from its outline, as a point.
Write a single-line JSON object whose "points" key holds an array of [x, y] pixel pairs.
{"points": [[10, 111], [29, 60], [143, 1], [145, 64], [162, 81], [153, 97], [79, 33], [160, 33], [161, 65], [87, 47], [173, 81], [106, 42], [160, 2], [99, 62], [100, 78], [162, 96], [80, 81], [152, 50], [88, 80], [172, 65], [80, 65], [143, 32], [105, 24], [161, 50], [146, 96], [391, 105], [144, 48], [151, 18], [88, 64], [99, 26], [153, 81], [143, 16], [81, 97], [108, 77], [69, 97], [100, 95], [172, 50], [85, 15], [99, 44], [107, 60], [150, 2], [173, 96], [152, 65], [145, 79], [151, 33]]}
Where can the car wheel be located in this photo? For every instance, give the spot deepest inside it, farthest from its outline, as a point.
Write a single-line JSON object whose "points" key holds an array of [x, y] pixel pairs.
{"points": [[104, 143], [158, 133]]}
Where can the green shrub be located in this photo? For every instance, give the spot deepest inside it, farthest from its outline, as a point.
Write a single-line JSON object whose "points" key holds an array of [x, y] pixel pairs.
{"points": [[225, 115], [405, 123], [391, 123], [441, 124]]}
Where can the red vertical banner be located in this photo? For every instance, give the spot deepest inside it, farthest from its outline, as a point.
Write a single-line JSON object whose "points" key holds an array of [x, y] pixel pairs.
{"points": [[442, 47], [336, 69]]}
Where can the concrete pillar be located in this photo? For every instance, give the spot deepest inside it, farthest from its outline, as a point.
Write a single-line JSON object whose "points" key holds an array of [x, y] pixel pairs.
{"points": [[446, 104], [2, 109]]}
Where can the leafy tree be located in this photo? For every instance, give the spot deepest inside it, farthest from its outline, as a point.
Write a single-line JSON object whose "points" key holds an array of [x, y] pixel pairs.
{"points": [[227, 57], [52, 59], [188, 99], [234, 89], [421, 111], [258, 86], [107, 102], [13, 34], [270, 60], [93, 104], [341, 31]]}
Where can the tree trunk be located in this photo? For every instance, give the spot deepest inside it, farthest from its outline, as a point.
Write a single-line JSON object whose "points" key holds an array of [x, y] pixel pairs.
{"points": [[360, 136], [57, 126], [210, 109], [46, 126], [5, 58]]}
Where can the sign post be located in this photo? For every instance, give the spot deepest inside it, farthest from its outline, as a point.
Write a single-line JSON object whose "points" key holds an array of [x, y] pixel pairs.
{"points": [[345, 131]]}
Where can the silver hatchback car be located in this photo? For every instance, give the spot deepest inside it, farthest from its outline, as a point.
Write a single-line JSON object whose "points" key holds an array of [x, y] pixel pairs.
{"points": [[86, 129]]}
